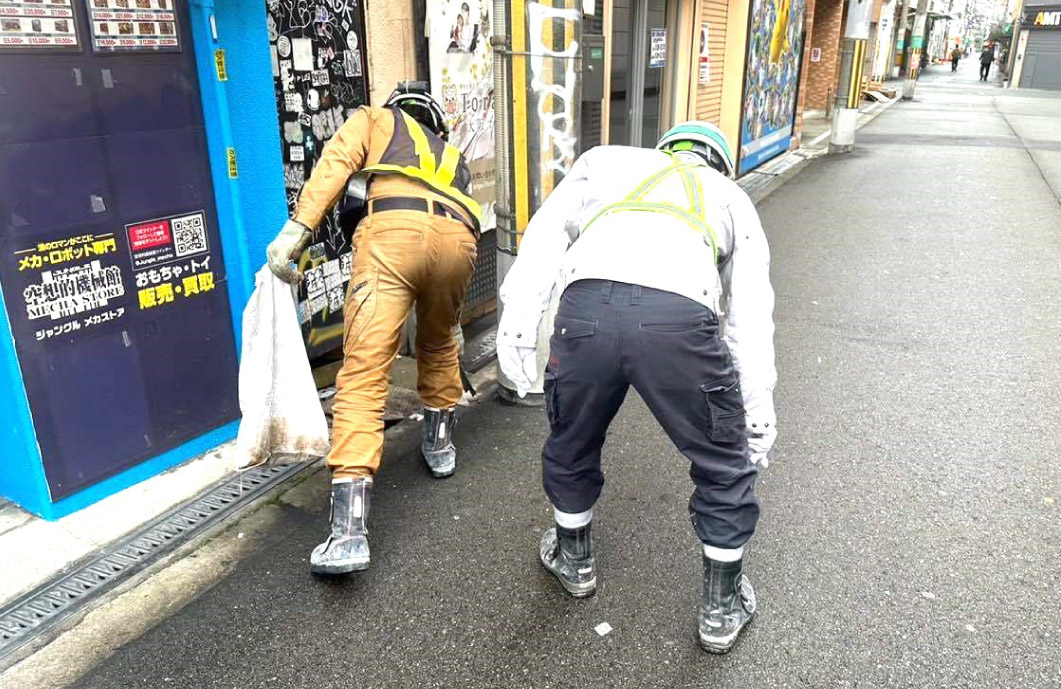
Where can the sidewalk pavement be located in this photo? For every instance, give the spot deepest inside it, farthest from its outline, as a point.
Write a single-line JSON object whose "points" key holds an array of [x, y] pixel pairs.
{"points": [[36, 551]]}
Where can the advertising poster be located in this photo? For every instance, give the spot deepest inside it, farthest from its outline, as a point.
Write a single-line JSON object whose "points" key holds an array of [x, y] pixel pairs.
{"points": [[771, 80], [462, 79], [318, 57], [37, 24], [66, 286], [133, 25]]}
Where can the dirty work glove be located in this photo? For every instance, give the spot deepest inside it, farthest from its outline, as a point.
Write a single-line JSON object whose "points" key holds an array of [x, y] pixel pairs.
{"points": [[761, 437], [286, 248], [520, 364]]}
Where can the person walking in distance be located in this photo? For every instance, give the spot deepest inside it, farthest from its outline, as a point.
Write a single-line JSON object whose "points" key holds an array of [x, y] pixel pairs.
{"points": [[417, 243], [648, 244], [987, 56], [955, 55]]}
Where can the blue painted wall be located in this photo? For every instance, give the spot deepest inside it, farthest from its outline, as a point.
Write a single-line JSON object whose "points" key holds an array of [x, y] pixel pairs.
{"points": [[239, 113], [21, 473]]}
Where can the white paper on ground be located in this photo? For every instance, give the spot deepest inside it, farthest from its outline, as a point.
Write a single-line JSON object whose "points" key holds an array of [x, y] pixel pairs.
{"points": [[278, 398]]}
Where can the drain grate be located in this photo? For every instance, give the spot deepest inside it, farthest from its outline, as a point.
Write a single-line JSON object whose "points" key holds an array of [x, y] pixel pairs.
{"points": [[43, 607]]}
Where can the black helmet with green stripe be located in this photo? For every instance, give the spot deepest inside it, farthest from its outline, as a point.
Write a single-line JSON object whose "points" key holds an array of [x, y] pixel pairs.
{"points": [[702, 138], [415, 99]]}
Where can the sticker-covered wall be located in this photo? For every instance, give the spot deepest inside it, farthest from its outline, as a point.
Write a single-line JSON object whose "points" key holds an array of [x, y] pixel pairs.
{"points": [[319, 73]]}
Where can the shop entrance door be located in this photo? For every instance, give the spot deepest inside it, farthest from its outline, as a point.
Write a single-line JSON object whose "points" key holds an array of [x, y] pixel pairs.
{"points": [[644, 36], [110, 257]]}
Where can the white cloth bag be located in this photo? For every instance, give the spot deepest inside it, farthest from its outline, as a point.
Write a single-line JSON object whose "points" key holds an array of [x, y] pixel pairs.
{"points": [[282, 413]]}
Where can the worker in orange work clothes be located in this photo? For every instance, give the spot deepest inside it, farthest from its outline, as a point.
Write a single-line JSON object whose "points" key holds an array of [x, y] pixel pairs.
{"points": [[417, 243]]}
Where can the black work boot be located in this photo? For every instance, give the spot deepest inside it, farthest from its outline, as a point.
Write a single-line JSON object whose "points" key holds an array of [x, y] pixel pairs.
{"points": [[346, 549], [728, 605], [568, 554], [436, 443]]}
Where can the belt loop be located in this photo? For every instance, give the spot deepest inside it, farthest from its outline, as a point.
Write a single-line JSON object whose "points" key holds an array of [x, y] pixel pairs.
{"points": [[635, 295], [606, 292]]}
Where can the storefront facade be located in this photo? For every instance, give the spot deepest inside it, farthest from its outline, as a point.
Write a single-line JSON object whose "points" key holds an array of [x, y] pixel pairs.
{"points": [[735, 64], [151, 150], [1038, 60]]}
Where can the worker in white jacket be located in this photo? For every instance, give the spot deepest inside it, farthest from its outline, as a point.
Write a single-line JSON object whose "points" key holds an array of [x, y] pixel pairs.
{"points": [[646, 246]]}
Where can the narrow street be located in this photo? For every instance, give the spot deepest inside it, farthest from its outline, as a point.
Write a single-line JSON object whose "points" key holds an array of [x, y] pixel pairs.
{"points": [[911, 514]]}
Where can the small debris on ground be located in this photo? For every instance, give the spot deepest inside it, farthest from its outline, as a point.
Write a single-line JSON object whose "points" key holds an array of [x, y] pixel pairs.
{"points": [[603, 629]]}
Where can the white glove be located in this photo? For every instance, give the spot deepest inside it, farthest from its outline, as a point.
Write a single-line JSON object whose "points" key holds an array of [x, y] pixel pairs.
{"points": [[761, 437], [285, 249], [520, 365]]}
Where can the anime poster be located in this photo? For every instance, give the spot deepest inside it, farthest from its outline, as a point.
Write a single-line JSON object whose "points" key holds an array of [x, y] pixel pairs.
{"points": [[318, 60], [462, 78], [771, 80]]}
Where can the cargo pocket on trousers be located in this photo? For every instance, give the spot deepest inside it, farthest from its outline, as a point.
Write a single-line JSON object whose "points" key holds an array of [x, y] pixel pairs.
{"points": [[360, 304], [549, 387], [725, 411]]}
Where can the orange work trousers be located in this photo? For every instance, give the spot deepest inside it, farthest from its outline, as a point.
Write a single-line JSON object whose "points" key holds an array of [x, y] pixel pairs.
{"points": [[400, 257]]}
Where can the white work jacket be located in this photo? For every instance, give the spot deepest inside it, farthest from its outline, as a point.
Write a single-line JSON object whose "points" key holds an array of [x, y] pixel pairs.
{"points": [[652, 249]]}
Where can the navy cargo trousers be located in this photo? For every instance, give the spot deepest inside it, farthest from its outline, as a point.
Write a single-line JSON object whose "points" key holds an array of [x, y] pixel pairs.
{"points": [[611, 335]]}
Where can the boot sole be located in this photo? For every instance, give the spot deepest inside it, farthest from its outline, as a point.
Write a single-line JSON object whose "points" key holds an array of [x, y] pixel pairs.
{"points": [[347, 567], [712, 646], [583, 590], [436, 473]]}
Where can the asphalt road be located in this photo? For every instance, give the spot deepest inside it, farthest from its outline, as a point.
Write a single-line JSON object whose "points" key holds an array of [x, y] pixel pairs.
{"points": [[911, 529]]}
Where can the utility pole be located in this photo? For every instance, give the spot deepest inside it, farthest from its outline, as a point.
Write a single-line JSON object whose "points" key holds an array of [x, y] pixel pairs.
{"points": [[900, 38], [917, 44], [852, 64], [538, 100]]}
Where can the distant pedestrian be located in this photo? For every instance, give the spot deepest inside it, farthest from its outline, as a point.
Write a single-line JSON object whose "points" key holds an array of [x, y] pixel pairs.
{"points": [[955, 55], [646, 245], [987, 56]]}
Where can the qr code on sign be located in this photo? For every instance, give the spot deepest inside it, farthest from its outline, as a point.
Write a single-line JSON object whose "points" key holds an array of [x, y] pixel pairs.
{"points": [[189, 234]]}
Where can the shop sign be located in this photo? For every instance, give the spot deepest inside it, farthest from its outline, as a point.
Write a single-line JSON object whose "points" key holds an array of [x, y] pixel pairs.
{"points": [[771, 80], [462, 79], [68, 285], [133, 26], [36, 25], [1042, 17], [657, 55], [705, 53]]}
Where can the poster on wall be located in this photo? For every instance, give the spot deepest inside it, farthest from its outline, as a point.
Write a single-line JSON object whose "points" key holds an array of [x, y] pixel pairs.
{"points": [[771, 80], [462, 79], [66, 286], [317, 52], [37, 25], [133, 26]]}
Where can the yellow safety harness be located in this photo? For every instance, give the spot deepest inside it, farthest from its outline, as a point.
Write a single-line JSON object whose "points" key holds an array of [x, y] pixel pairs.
{"points": [[439, 177], [692, 215]]}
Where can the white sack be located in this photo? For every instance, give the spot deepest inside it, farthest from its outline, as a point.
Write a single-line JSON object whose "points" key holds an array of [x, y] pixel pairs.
{"points": [[282, 413]]}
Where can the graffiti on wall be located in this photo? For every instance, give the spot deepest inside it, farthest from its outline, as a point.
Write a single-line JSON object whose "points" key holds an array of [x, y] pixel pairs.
{"points": [[553, 90], [317, 49]]}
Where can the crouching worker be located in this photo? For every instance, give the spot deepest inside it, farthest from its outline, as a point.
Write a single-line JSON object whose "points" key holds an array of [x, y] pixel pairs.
{"points": [[648, 244], [417, 243]]}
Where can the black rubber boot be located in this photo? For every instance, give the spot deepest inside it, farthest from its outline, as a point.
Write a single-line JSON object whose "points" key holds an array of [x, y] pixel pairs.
{"points": [[437, 441], [568, 554], [728, 605], [346, 549]]}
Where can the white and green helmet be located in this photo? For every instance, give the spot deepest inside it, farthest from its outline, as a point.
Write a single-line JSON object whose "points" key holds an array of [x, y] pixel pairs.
{"points": [[700, 137]]}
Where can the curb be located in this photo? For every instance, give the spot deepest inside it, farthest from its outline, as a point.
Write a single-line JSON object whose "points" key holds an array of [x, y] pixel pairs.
{"points": [[762, 182]]}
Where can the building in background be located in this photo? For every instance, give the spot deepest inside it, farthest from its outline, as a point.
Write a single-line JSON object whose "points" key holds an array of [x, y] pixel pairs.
{"points": [[1037, 57]]}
